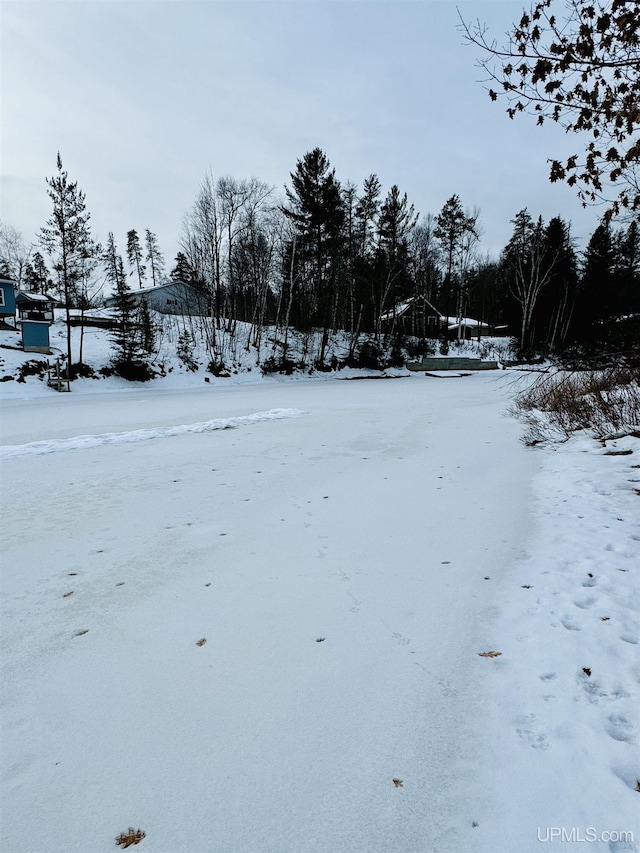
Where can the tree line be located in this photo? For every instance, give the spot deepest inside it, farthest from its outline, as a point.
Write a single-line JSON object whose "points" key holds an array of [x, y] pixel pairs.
{"points": [[330, 256]]}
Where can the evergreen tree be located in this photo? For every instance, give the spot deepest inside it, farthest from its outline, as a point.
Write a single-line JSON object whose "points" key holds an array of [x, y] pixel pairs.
{"points": [[366, 213], [126, 336], [628, 250], [67, 239], [598, 286], [396, 221], [554, 309], [37, 278], [147, 329], [527, 265], [452, 226], [135, 256], [316, 210], [364, 308], [182, 271], [154, 258]]}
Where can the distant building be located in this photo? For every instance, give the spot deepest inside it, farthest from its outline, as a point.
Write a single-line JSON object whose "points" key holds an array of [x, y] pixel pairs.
{"points": [[415, 316], [418, 317], [7, 300], [465, 328], [174, 297], [35, 306], [35, 315]]}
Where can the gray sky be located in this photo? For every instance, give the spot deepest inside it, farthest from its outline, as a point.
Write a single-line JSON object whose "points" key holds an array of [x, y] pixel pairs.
{"points": [[143, 98]]}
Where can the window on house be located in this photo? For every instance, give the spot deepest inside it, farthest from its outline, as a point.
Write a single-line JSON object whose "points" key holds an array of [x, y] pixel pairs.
{"points": [[2, 302], [172, 301]]}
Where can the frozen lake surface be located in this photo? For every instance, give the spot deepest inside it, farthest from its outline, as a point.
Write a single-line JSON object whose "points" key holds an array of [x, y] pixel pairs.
{"points": [[250, 619]]}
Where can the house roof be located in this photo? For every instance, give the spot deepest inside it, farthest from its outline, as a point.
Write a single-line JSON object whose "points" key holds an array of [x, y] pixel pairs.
{"points": [[166, 285], [402, 308], [28, 296]]}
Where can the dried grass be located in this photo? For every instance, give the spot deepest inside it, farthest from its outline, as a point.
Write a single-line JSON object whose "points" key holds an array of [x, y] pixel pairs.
{"points": [[606, 402]]}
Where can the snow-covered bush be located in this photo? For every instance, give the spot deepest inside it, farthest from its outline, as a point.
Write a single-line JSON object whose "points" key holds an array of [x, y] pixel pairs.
{"points": [[606, 402]]}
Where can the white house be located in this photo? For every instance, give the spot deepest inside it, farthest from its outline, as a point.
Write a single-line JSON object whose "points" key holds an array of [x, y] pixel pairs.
{"points": [[173, 297]]}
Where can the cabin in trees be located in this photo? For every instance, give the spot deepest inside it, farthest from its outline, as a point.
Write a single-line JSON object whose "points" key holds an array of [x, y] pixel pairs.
{"points": [[415, 316], [419, 318], [7, 300], [173, 297]]}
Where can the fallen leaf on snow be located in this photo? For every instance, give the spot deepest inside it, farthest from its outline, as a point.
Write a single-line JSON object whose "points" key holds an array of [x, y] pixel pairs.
{"points": [[320, 640], [201, 642], [398, 783], [489, 654], [586, 671], [67, 594], [80, 633], [131, 836]]}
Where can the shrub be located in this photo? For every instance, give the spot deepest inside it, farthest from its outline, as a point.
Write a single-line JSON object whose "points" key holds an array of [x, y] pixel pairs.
{"points": [[185, 350], [419, 347], [33, 367], [370, 356], [275, 364], [133, 371], [217, 368], [84, 371], [605, 401]]}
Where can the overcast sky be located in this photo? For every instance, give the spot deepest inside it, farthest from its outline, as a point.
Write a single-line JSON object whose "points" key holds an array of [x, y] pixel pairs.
{"points": [[143, 98]]}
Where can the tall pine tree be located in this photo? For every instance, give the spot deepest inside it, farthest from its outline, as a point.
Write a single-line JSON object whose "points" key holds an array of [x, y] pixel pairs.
{"points": [[135, 256], [126, 336], [396, 221], [154, 258], [67, 239], [316, 210]]}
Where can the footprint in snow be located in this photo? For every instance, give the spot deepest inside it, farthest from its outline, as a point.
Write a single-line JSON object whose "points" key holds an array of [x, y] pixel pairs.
{"points": [[595, 693], [528, 734], [620, 728], [585, 603]]}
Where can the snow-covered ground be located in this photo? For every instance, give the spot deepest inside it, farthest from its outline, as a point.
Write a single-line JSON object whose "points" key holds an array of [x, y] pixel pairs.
{"points": [[252, 616]]}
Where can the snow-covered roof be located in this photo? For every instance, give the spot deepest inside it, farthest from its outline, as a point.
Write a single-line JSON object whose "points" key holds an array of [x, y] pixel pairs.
{"points": [[402, 308], [454, 322], [28, 296], [164, 286]]}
